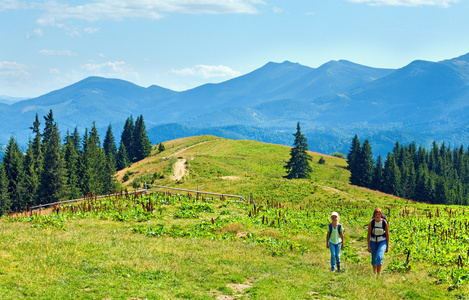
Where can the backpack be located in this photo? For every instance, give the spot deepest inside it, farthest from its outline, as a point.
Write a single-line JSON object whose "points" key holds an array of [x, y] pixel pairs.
{"points": [[339, 227], [384, 222]]}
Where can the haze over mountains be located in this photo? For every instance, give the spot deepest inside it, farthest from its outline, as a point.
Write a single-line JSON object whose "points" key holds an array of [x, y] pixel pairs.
{"points": [[422, 102]]}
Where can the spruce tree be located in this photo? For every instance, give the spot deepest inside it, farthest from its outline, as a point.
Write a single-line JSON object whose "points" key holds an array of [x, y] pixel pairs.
{"points": [[109, 146], [36, 147], [353, 158], [53, 186], [160, 147], [366, 165], [127, 138], [141, 142], [298, 166], [72, 160], [392, 176], [13, 164], [94, 164], [122, 157], [377, 182], [5, 201], [75, 137], [30, 177]]}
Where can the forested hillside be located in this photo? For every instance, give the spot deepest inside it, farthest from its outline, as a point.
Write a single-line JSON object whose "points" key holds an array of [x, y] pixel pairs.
{"points": [[439, 175], [52, 170]]}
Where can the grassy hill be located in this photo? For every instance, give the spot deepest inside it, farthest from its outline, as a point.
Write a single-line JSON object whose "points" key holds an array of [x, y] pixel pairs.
{"points": [[167, 246]]}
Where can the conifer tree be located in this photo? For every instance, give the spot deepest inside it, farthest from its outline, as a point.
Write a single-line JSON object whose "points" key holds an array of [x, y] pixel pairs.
{"points": [[421, 192], [141, 142], [377, 183], [36, 148], [392, 176], [365, 164], [298, 166], [109, 146], [353, 161], [72, 161], [160, 147], [76, 140], [13, 165], [94, 164], [127, 138], [122, 157], [5, 201], [53, 186], [30, 177]]}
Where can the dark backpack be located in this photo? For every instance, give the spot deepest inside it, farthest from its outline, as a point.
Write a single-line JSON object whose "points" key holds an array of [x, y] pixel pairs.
{"points": [[339, 227], [384, 222]]}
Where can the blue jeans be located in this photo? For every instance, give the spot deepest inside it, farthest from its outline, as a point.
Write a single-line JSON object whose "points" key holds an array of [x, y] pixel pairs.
{"points": [[377, 252], [335, 254]]}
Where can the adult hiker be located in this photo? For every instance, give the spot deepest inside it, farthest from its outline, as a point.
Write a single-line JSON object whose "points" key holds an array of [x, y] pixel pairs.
{"points": [[378, 239], [335, 240]]}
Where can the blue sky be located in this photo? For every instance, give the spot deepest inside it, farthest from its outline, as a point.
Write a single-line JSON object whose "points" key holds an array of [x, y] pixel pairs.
{"points": [[180, 44]]}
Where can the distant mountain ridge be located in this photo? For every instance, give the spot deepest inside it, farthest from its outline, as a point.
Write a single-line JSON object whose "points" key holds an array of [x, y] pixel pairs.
{"points": [[422, 101]]}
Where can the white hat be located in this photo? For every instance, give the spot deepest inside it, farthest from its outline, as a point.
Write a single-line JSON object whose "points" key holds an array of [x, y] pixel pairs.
{"points": [[335, 214]]}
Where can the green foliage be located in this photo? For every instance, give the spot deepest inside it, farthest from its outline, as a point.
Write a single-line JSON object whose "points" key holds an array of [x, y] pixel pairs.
{"points": [[126, 176], [322, 161], [339, 155], [161, 147]]}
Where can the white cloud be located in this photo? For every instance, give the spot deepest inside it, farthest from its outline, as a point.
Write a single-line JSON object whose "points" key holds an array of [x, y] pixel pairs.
{"points": [[111, 69], [13, 69], [91, 30], [54, 71], [36, 33], [57, 52], [277, 10], [205, 71], [12, 5], [442, 3], [56, 12]]}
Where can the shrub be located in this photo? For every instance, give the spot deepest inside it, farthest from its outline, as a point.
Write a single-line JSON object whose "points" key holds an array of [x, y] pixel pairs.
{"points": [[339, 155]]}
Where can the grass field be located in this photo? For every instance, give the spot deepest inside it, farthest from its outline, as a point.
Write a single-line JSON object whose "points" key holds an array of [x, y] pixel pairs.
{"points": [[162, 246]]}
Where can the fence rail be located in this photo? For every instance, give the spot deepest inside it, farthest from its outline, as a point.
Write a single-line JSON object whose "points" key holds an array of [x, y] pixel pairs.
{"points": [[140, 191], [192, 191], [42, 206]]}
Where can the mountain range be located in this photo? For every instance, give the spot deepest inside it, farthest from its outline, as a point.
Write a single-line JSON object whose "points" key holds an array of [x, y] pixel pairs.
{"points": [[423, 102]]}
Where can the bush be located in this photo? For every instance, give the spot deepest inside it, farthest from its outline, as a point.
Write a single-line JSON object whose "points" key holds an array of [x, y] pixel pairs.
{"points": [[321, 161], [126, 177], [339, 155]]}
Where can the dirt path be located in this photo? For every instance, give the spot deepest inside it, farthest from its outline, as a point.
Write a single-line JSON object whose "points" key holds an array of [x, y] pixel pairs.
{"points": [[184, 149], [180, 169]]}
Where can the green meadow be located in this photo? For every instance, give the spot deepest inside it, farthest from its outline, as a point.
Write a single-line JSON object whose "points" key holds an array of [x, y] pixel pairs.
{"points": [[169, 244]]}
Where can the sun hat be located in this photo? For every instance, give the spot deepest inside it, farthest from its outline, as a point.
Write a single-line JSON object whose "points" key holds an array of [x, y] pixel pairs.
{"points": [[335, 214]]}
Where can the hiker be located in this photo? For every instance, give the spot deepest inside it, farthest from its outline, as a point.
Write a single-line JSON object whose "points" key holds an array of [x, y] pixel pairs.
{"points": [[335, 240], [378, 239]]}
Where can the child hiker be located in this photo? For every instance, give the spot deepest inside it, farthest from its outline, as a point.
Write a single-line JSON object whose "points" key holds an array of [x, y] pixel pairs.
{"points": [[335, 240]]}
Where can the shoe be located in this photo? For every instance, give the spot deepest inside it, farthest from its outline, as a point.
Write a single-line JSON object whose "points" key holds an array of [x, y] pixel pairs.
{"points": [[338, 268], [332, 269]]}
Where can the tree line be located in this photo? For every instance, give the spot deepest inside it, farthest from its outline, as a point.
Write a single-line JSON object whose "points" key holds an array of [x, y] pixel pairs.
{"points": [[52, 170], [439, 175]]}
